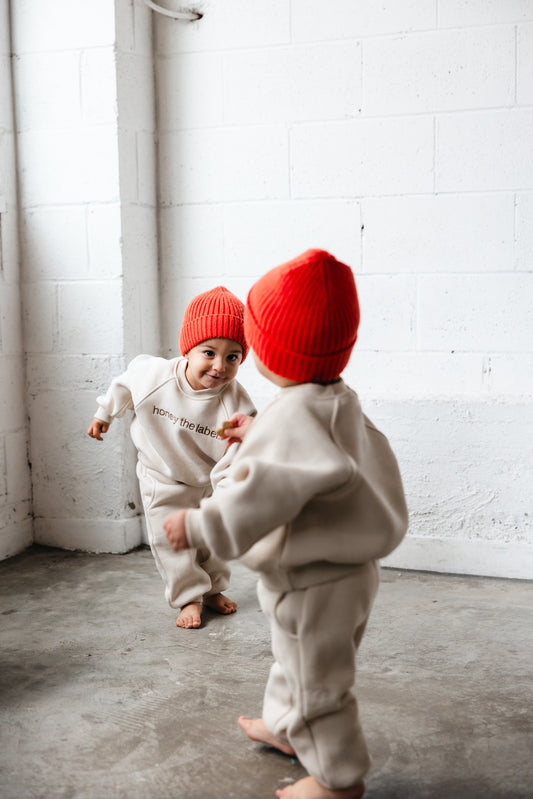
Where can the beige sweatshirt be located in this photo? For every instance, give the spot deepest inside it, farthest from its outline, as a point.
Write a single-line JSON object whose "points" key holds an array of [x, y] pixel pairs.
{"points": [[313, 491], [174, 427]]}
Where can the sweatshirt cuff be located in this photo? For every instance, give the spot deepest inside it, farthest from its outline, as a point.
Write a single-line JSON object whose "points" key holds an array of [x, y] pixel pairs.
{"points": [[193, 528], [103, 415]]}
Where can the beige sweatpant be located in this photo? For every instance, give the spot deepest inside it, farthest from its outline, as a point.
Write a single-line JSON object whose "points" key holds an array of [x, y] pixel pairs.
{"points": [[192, 573], [309, 699]]}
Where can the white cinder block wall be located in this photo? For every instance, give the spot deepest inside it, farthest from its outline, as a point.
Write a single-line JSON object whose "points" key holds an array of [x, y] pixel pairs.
{"points": [[396, 135], [85, 135], [15, 485]]}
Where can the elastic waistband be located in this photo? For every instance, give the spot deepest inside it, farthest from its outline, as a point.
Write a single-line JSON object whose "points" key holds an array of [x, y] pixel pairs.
{"points": [[144, 469], [309, 575]]}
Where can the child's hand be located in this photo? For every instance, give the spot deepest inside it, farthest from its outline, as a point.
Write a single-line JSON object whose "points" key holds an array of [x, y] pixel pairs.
{"points": [[174, 527], [240, 423], [96, 428]]}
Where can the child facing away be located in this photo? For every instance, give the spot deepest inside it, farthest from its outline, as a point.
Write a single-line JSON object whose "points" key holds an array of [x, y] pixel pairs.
{"points": [[178, 405], [312, 500]]}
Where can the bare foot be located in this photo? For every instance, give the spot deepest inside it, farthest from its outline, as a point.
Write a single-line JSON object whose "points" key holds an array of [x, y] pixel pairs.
{"points": [[190, 615], [257, 731], [309, 788], [220, 603]]}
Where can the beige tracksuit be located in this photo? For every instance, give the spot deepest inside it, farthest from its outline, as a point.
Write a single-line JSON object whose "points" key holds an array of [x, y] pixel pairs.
{"points": [[313, 499], [174, 431]]}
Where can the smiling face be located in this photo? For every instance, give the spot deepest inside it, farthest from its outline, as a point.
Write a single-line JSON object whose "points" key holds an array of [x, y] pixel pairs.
{"points": [[213, 363]]}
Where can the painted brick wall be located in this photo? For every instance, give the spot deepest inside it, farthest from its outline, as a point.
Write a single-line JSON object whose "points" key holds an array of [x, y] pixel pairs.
{"points": [[15, 485], [398, 136], [85, 136]]}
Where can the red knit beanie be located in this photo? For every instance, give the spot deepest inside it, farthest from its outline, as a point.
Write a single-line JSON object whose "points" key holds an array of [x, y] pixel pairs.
{"points": [[214, 314], [301, 318]]}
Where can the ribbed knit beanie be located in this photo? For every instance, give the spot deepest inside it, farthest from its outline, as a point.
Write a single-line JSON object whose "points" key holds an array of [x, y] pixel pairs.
{"points": [[301, 318], [214, 314]]}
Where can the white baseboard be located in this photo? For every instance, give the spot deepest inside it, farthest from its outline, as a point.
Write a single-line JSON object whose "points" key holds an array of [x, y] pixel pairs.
{"points": [[464, 556], [15, 538], [477, 557], [85, 535]]}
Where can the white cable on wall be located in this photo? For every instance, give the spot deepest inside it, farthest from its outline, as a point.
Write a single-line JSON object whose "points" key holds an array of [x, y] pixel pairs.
{"points": [[187, 16]]}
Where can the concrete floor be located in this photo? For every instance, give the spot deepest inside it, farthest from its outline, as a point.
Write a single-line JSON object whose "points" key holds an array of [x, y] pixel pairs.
{"points": [[102, 696]]}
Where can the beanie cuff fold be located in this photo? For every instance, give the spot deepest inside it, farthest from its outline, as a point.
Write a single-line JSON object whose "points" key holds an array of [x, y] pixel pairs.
{"points": [[294, 365], [302, 317], [215, 314]]}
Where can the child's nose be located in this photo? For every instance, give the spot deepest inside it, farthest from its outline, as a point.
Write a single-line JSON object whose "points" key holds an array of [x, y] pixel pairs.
{"points": [[219, 364]]}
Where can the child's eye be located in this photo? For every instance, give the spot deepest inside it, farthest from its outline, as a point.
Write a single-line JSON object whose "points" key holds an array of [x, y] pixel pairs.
{"points": [[233, 358], [209, 353]]}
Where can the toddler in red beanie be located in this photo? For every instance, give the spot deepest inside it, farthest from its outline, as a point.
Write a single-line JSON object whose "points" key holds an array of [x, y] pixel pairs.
{"points": [[313, 499], [178, 405]]}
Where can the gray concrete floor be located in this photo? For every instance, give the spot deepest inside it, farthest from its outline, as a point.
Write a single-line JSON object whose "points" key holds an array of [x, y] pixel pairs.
{"points": [[102, 696]]}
